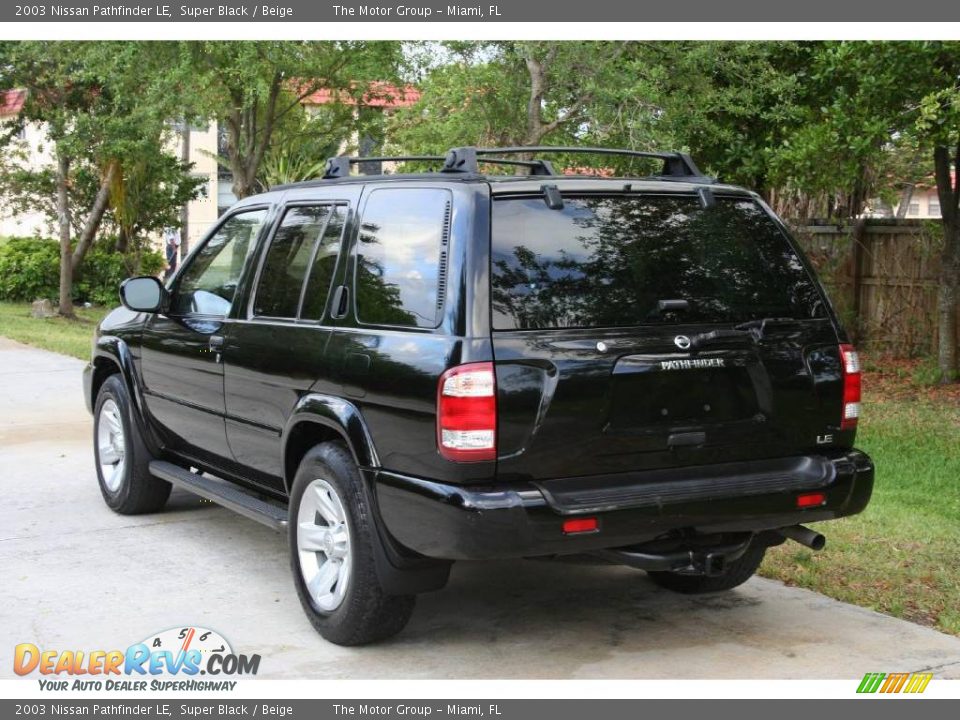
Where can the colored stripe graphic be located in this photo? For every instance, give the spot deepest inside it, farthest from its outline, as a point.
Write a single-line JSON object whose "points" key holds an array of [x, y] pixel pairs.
{"points": [[870, 682], [894, 682], [918, 683]]}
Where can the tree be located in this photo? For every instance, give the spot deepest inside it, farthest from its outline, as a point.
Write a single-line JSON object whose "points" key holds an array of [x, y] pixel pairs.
{"points": [[251, 87], [511, 93], [302, 143], [102, 104], [871, 99], [147, 195]]}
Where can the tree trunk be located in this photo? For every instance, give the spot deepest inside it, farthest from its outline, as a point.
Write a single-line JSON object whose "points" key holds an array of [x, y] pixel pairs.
{"points": [[123, 240], [948, 190], [185, 210], [947, 298], [906, 195], [247, 143], [537, 73], [63, 220], [92, 224]]}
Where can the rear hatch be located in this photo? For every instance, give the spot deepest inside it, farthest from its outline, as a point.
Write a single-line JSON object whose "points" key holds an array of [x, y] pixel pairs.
{"points": [[643, 331]]}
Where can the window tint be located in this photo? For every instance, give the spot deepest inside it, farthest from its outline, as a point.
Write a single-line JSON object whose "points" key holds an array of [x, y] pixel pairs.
{"points": [[401, 251], [324, 263], [607, 261], [209, 282], [288, 258]]}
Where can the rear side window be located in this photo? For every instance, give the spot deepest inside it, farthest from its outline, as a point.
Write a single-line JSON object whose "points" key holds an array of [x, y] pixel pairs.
{"points": [[324, 263], [288, 259], [401, 257], [608, 261]]}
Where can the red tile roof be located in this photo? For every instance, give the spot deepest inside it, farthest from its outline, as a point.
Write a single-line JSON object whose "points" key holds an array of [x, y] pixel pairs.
{"points": [[11, 101], [379, 94]]}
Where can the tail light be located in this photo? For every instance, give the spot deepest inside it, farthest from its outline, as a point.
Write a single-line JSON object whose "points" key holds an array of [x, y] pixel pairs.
{"points": [[467, 413], [850, 362]]}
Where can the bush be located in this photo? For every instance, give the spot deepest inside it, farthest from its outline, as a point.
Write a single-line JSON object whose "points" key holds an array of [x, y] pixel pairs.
{"points": [[30, 269]]}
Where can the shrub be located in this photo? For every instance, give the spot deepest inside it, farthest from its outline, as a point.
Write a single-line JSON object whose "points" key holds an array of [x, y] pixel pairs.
{"points": [[30, 269]]}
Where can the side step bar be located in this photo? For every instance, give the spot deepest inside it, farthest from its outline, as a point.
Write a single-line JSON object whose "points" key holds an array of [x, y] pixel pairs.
{"points": [[230, 496]]}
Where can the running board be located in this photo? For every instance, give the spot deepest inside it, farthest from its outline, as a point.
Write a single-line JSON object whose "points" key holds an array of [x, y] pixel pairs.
{"points": [[233, 497]]}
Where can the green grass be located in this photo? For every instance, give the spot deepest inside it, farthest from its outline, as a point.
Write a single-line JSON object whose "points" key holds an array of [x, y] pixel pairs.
{"points": [[900, 556], [69, 337]]}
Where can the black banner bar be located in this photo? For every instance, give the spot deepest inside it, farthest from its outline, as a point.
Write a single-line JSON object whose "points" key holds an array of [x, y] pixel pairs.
{"points": [[483, 11], [186, 709]]}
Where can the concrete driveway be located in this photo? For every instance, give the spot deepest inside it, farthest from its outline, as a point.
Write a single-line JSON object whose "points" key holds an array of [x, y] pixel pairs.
{"points": [[75, 575]]}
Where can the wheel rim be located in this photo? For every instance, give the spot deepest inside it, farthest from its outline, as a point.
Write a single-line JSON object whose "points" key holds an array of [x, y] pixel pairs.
{"points": [[323, 544], [111, 445]]}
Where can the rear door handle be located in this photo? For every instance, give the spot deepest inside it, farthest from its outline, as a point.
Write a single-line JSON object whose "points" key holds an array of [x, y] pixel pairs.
{"points": [[216, 346], [338, 307], [686, 439]]}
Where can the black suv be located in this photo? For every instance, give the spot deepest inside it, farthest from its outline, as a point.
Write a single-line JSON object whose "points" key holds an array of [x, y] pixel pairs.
{"points": [[404, 370]]}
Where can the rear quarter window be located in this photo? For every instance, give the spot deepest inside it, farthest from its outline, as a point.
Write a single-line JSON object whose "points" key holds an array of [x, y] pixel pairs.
{"points": [[401, 257], [607, 261]]}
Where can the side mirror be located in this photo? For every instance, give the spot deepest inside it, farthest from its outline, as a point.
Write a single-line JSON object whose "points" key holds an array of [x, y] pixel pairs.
{"points": [[142, 294]]}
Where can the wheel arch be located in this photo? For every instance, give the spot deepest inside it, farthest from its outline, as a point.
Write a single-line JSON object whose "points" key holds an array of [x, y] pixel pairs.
{"points": [[112, 356], [323, 418]]}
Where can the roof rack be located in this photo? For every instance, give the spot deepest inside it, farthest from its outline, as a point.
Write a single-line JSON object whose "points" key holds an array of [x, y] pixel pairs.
{"points": [[452, 162], [676, 165]]}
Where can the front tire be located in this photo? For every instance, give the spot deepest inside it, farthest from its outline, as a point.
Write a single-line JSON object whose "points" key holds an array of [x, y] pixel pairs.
{"points": [[738, 572], [122, 458], [331, 535]]}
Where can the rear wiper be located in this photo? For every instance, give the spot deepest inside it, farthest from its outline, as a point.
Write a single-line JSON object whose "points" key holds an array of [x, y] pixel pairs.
{"points": [[758, 328], [752, 329]]}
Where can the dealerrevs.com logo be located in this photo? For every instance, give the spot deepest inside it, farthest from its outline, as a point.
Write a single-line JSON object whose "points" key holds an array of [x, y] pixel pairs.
{"points": [[169, 660]]}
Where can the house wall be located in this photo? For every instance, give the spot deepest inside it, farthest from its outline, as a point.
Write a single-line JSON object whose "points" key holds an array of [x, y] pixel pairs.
{"points": [[923, 204], [38, 154], [202, 211]]}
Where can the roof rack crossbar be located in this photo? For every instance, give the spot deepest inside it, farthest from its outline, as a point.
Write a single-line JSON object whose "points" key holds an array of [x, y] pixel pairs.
{"points": [[675, 164], [339, 166]]}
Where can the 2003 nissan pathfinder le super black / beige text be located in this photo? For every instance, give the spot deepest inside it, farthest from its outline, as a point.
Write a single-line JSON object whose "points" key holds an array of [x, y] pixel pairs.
{"points": [[406, 370]]}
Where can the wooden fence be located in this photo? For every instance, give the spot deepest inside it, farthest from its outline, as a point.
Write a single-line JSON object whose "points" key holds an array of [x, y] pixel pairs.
{"points": [[885, 287]]}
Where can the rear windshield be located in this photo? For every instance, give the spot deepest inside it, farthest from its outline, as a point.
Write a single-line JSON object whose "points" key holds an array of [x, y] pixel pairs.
{"points": [[608, 261]]}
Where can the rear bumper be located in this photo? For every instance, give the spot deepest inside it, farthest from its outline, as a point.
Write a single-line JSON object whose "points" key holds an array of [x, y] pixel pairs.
{"points": [[525, 520]]}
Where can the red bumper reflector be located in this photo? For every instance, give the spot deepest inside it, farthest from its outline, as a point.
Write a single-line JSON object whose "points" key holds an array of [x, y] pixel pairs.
{"points": [[574, 526], [811, 500]]}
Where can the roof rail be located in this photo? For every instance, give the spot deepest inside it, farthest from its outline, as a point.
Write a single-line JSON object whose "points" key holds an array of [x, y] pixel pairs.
{"points": [[458, 160], [467, 160]]}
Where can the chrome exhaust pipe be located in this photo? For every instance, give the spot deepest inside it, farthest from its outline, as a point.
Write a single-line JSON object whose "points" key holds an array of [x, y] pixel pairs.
{"points": [[804, 536]]}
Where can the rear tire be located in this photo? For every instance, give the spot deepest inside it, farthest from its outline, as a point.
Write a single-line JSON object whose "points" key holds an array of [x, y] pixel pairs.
{"points": [[122, 458], [738, 572], [331, 535]]}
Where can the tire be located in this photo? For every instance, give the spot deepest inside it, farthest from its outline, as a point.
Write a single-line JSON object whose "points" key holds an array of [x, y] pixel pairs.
{"points": [[738, 572], [121, 457], [350, 608]]}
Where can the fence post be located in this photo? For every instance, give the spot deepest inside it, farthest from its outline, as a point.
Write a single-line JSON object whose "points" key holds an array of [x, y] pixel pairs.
{"points": [[859, 232]]}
